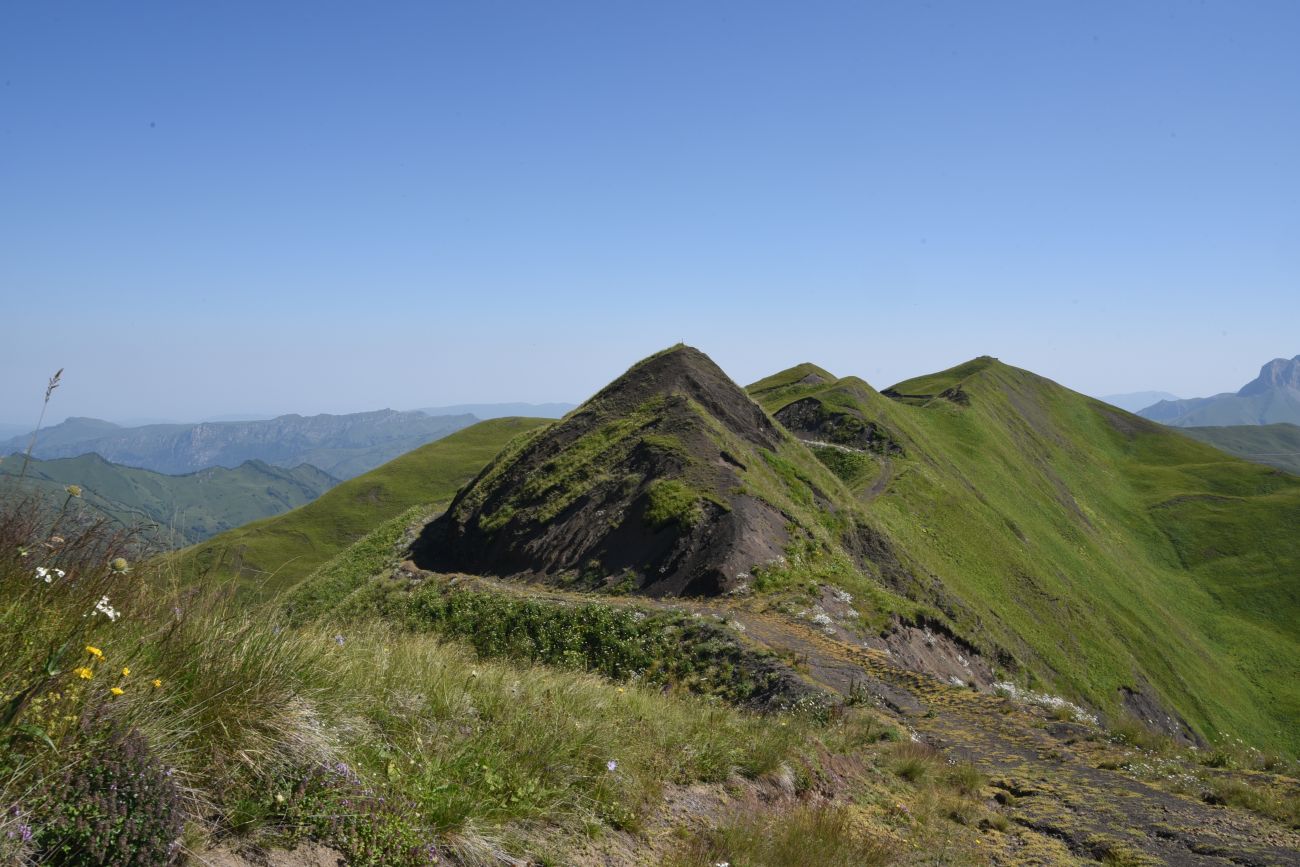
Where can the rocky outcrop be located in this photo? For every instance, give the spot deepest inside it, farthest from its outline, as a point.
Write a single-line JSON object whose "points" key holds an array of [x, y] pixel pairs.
{"points": [[640, 488]]}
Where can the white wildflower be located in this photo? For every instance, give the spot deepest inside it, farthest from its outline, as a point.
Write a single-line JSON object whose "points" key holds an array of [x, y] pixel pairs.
{"points": [[102, 607], [48, 575]]}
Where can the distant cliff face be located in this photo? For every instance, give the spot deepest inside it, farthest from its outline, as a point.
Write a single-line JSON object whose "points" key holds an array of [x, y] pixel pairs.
{"points": [[1278, 373], [1272, 397], [342, 445]]}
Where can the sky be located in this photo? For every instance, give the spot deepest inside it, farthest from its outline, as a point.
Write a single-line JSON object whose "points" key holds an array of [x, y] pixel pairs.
{"points": [[212, 208]]}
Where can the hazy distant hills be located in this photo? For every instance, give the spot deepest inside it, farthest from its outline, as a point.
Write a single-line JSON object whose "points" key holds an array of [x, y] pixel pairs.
{"points": [[172, 510], [502, 410], [342, 446], [280, 551], [1270, 398], [1138, 400]]}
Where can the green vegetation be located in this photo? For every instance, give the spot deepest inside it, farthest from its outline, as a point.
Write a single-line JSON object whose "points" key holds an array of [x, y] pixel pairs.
{"points": [[1277, 445], [172, 511], [1098, 549], [669, 501], [622, 643], [270, 555], [171, 722], [851, 467]]}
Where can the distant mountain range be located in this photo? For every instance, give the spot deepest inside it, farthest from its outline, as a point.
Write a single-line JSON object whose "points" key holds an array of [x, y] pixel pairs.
{"points": [[1270, 398], [171, 510], [502, 410], [342, 446], [1137, 400]]}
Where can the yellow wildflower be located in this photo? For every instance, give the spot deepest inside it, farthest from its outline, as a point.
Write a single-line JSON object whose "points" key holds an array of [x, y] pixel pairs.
{"points": [[117, 690], [73, 490], [84, 673], [94, 651], [126, 672], [156, 683], [119, 564]]}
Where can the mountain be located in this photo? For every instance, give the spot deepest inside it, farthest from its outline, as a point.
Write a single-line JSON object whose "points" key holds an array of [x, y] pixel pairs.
{"points": [[342, 445], [501, 410], [1270, 398], [173, 510], [1061, 541], [669, 481], [1277, 445], [1137, 400], [954, 554], [276, 552]]}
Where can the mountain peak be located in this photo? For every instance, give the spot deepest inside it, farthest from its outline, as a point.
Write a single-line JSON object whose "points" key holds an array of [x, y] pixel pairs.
{"points": [[643, 486], [806, 373], [1278, 373], [685, 372]]}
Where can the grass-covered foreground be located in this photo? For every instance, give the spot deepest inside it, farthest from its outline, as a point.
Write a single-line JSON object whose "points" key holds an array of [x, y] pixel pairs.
{"points": [[143, 726]]}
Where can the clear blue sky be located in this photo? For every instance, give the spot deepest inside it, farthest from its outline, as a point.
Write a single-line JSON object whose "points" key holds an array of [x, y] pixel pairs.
{"points": [[330, 207]]}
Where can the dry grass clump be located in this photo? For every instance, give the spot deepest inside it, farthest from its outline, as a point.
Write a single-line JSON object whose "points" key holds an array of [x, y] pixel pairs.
{"points": [[914, 761], [824, 834]]}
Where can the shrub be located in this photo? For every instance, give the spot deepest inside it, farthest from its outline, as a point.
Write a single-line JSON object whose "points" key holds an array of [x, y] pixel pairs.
{"points": [[966, 778], [914, 761], [115, 805]]}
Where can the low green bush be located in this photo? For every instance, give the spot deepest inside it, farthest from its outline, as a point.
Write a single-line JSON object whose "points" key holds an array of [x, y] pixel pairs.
{"points": [[116, 805]]}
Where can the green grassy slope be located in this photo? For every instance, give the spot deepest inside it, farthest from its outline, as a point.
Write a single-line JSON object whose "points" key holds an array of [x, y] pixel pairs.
{"points": [[1101, 550], [175, 510], [275, 553], [1277, 445]]}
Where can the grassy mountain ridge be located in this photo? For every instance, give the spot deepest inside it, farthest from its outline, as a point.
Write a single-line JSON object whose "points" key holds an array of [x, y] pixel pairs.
{"points": [[175, 510], [1074, 544], [273, 554], [1110, 556]]}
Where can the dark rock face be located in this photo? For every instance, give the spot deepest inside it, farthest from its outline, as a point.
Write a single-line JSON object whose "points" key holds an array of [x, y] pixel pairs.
{"points": [[658, 424], [1143, 704], [1278, 373], [810, 419]]}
